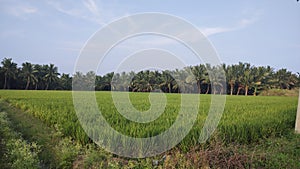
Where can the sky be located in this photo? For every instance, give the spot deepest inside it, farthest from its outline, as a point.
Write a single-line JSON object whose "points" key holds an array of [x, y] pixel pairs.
{"points": [[260, 32]]}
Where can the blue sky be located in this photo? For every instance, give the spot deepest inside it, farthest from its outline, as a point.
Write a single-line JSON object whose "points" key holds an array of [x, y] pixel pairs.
{"points": [[261, 32]]}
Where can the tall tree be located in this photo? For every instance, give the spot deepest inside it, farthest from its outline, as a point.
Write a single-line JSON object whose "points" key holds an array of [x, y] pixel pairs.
{"points": [[142, 82], [39, 72], [231, 76], [9, 69], [217, 79], [248, 77], [66, 82], [167, 80], [51, 75], [181, 85], [29, 73], [261, 76], [284, 79], [244, 77], [121, 81], [200, 74], [105, 82]]}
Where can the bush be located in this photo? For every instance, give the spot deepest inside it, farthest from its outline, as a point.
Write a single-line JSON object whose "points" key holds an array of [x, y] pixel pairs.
{"points": [[22, 155]]}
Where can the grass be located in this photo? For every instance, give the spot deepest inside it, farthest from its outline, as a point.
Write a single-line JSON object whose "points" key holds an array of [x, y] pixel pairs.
{"points": [[56, 151], [33, 130], [15, 151], [254, 132], [281, 92]]}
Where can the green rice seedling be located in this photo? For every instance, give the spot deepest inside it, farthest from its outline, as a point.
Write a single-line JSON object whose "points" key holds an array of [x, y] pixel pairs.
{"points": [[245, 119]]}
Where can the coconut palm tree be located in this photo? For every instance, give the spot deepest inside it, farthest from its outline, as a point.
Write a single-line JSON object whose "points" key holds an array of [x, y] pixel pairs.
{"points": [[261, 76], [284, 79], [144, 81], [105, 82], [200, 75], [167, 80], [66, 82], [51, 75], [243, 77], [231, 76], [247, 78], [217, 78], [9, 68], [89, 81], [139, 82], [181, 85], [39, 73], [29, 73], [123, 81]]}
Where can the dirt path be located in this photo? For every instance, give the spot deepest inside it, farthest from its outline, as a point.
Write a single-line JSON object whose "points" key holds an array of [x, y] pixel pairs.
{"points": [[34, 130]]}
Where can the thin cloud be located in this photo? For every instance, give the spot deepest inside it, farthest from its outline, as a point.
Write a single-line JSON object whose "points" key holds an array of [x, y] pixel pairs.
{"points": [[71, 12], [164, 41], [209, 31], [92, 7], [28, 10], [243, 23], [214, 30], [90, 12]]}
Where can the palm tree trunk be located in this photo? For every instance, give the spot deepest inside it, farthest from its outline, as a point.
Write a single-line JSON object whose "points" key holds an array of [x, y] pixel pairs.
{"points": [[199, 87], [246, 90], [5, 82], [207, 89], [238, 92], [28, 82], [231, 89]]}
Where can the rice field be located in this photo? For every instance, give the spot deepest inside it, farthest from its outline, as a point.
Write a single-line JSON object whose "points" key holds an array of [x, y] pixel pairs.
{"points": [[245, 119]]}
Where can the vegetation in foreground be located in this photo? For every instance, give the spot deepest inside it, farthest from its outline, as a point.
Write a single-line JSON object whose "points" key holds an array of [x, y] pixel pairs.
{"points": [[255, 132], [15, 152]]}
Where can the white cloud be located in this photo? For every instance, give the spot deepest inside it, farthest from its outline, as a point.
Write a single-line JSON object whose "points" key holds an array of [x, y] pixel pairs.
{"points": [[29, 10], [92, 7], [157, 41], [245, 22], [58, 6], [87, 10], [214, 30]]}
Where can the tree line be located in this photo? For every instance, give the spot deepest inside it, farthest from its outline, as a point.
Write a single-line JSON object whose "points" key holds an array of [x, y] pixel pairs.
{"points": [[241, 79]]}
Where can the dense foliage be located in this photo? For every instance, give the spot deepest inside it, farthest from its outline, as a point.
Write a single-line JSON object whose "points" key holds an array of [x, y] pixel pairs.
{"points": [[241, 78]]}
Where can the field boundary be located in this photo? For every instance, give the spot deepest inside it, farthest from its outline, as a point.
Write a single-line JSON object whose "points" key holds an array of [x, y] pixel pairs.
{"points": [[33, 130]]}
